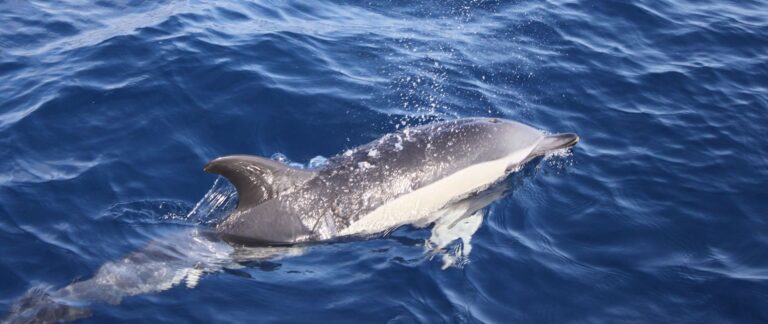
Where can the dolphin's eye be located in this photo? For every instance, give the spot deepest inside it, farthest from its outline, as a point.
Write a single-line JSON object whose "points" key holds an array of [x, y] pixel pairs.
{"points": [[493, 120]]}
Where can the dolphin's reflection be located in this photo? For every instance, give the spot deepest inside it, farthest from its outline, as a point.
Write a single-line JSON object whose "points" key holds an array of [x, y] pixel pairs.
{"points": [[180, 258]]}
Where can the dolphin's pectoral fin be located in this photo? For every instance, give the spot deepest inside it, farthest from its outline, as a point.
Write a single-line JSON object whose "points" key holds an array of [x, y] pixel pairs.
{"points": [[257, 179], [192, 277], [555, 142], [449, 229]]}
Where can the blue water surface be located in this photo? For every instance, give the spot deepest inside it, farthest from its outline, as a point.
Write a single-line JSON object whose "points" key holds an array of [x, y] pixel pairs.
{"points": [[109, 110]]}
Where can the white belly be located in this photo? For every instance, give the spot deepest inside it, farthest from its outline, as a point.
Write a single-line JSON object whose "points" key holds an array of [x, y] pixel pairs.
{"points": [[422, 203]]}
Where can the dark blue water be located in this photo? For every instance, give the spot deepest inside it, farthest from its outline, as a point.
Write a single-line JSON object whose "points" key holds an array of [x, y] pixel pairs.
{"points": [[109, 110]]}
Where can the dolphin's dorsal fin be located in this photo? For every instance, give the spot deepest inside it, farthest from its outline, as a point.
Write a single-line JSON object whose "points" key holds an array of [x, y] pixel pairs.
{"points": [[257, 179]]}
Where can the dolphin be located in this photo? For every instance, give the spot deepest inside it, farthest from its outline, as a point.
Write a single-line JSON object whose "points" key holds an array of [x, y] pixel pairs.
{"points": [[440, 174], [408, 177]]}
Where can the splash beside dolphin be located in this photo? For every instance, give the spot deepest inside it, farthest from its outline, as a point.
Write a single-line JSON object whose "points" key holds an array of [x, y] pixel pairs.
{"points": [[403, 178]]}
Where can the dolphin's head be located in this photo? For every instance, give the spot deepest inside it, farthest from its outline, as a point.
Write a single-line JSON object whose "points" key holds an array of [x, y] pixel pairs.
{"points": [[490, 139], [516, 137]]}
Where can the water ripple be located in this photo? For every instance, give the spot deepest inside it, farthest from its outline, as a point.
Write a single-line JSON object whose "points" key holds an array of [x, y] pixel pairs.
{"points": [[108, 110]]}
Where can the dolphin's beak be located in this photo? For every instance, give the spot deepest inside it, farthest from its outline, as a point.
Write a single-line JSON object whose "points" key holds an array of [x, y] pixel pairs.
{"points": [[555, 142]]}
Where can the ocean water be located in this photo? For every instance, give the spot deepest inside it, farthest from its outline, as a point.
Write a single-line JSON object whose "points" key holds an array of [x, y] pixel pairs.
{"points": [[109, 110]]}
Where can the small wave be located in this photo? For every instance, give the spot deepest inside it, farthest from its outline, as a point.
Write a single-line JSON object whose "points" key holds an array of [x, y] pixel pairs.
{"points": [[33, 170], [149, 211], [215, 205]]}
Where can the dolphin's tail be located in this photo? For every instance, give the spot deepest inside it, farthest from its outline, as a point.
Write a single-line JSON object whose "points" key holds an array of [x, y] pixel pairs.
{"points": [[37, 306], [555, 142]]}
